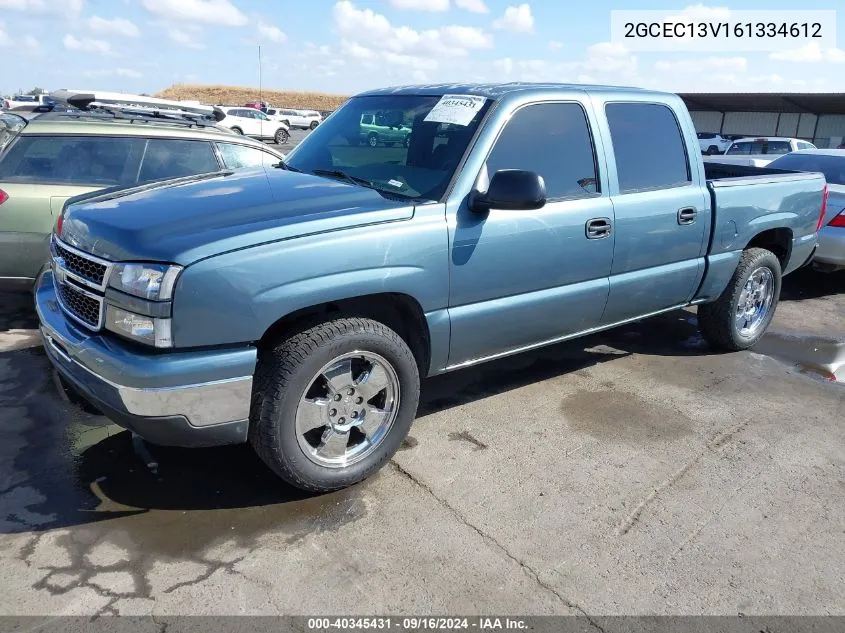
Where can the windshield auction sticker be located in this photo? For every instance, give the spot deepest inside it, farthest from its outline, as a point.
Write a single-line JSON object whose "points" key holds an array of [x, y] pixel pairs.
{"points": [[455, 109], [700, 28]]}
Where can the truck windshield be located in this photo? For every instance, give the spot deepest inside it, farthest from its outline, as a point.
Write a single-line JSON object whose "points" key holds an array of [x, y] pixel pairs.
{"points": [[386, 142]]}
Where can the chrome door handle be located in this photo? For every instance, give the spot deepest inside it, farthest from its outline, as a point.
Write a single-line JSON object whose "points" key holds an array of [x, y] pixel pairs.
{"points": [[598, 228], [687, 215]]}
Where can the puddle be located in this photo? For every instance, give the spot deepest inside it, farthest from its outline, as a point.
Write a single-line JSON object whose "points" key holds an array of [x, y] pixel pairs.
{"points": [[623, 417], [815, 355]]}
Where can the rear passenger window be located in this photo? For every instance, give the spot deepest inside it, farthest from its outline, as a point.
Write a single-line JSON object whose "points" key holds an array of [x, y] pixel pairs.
{"points": [[650, 151], [242, 157], [552, 140], [78, 160], [170, 158]]}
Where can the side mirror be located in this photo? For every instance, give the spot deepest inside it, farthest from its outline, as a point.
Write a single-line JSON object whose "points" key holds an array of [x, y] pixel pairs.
{"points": [[510, 189]]}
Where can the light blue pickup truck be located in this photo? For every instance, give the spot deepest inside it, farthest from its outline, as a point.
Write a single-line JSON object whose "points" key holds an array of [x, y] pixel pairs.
{"points": [[297, 307]]}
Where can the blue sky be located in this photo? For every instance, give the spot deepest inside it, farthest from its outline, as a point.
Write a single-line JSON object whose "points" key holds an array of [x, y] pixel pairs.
{"points": [[343, 46]]}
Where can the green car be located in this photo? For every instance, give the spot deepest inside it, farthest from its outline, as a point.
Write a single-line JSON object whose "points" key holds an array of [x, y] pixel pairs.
{"points": [[56, 156]]}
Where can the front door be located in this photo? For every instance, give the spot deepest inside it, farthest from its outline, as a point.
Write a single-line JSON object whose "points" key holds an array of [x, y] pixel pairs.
{"points": [[522, 278]]}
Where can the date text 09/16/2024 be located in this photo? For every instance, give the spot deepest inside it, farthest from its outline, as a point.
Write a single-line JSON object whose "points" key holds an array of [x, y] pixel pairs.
{"points": [[417, 623]]}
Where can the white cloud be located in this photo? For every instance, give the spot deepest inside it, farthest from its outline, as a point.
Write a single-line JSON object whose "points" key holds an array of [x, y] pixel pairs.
{"points": [[701, 12], [183, 38], [504, 66], [465, 37], [474, 6], [59, 7], [23, 5], [607, 57], [117, 26], [603, 62], [811, 53], [271, 32], [695, 65], [86, 45], [127, 73], [220, 12], [367, 35], [554, 45], [421, 5], [27, 45], [516, 18]]}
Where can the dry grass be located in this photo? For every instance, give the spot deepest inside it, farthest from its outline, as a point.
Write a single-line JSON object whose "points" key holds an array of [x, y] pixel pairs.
{"points": [[236, 95]]}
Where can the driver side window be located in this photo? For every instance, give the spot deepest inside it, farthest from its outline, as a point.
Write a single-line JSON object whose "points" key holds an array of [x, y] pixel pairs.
{"points": [[554, 141]]}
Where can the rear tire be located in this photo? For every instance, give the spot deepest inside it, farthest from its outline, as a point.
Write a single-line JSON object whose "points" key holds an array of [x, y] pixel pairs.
{"points": [[290, 381], [372, 140], [238, 130], [743, 312]]}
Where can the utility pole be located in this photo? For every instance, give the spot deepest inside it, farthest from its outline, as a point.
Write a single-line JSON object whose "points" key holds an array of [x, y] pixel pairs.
{"points": [[260, 89]]}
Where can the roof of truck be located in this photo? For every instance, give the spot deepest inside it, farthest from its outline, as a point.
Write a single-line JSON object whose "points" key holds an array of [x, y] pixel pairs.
{"points": [[495, 91]]}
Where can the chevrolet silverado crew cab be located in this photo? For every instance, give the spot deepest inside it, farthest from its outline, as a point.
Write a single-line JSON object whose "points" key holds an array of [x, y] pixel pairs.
{"points": [[297, 307]]}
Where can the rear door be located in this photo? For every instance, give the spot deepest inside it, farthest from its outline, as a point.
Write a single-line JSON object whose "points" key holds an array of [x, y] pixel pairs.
{"points": [[38, 175], [175, 158], [661, 210]]}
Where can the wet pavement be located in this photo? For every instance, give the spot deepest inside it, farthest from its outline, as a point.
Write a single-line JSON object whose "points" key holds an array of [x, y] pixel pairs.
{"points": [[633, 471]]}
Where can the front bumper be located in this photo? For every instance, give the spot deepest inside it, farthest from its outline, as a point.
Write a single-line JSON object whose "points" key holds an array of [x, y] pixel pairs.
{"points": [[175, 398], [831, 246]]}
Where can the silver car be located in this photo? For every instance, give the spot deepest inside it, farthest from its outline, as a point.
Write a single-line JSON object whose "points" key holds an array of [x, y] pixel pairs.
{"points": [[831, 162]]}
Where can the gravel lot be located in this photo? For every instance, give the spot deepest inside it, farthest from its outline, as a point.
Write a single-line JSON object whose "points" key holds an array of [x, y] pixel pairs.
{"points": [[632, 472]]}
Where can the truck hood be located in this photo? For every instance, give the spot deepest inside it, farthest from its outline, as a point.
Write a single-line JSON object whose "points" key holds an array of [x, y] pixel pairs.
{"points": [[185, 220]]}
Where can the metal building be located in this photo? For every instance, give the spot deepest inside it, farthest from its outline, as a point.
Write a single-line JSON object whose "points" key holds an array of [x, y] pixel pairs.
{"points": [[815, 117]]}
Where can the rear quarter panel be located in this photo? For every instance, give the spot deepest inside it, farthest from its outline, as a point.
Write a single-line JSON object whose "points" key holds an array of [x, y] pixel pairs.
{"points": [[746, 207]]}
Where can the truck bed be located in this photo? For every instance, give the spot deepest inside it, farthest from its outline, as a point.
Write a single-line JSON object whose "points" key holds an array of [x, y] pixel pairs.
{"points": [[748, 201]]}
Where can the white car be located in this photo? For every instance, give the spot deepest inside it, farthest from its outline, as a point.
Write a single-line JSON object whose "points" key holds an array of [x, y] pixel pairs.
{"points": [[760, 151], [254, 123], [713, 143], [27, 102], [305, 119]]}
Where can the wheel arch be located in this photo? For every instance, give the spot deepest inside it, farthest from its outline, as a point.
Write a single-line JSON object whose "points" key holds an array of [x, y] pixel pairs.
{"points": [[399, 311], [777, 240]]}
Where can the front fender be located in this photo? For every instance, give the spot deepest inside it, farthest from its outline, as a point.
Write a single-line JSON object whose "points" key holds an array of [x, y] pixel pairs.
{"points": [[237, 296]]}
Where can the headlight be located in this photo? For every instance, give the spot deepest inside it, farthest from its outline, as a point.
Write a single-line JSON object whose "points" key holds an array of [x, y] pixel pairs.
{"points": [[148, 281], [144, 329]]}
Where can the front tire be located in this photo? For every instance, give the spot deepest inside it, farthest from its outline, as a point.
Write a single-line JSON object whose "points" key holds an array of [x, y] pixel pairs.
{"points": [[313, 125], [282, 136], [332, 403], [238, 130], [743, 312]]}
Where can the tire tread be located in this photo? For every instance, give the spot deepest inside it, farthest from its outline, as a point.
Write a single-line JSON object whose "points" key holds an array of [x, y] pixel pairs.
{"points": [[277, 367], [715, 320]]}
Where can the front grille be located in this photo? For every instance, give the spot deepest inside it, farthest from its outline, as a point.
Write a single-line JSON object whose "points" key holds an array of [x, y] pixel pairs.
{"points": [[85, 308], [81, 266]]}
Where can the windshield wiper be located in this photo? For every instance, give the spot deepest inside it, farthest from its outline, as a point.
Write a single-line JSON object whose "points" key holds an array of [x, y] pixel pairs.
{"points": [[283, 165], [337, 173]]}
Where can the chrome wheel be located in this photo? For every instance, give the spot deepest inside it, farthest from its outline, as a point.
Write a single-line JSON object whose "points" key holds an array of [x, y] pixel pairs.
{"points": [[347, 409], [755, 302]]}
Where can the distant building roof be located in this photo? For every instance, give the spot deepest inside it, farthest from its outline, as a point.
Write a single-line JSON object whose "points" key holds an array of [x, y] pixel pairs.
{"points": [[812, 102]]}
